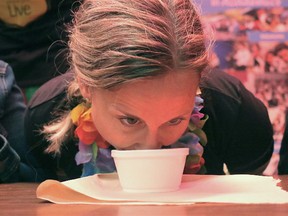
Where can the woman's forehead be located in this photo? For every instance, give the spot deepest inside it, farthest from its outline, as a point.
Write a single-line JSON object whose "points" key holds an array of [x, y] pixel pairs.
{"points": [[175, 94]]}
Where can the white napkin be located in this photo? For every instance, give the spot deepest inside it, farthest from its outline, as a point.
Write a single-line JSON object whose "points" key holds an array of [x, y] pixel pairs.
{"points": [[106, 189]]}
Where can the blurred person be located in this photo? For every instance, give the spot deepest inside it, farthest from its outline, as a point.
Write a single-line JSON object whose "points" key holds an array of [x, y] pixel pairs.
{"points": [[33, 40], [14, 160]]}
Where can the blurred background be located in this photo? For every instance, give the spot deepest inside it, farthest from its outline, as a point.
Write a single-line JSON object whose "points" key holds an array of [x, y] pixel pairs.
{"points": [[251, 43]]}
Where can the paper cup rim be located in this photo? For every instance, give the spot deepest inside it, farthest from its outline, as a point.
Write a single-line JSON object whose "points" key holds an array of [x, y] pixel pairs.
{"points": [[149, 152]]}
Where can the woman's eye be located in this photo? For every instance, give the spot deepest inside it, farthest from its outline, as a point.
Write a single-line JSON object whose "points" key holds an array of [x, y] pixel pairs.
{"points": [[130, 121], [175, 121]]}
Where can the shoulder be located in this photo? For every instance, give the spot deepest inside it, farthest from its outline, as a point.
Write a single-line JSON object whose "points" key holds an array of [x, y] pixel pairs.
{"points": [[8, 88], [48, 101], [3, 67], [228, 92], [44, 106], [222, 84], [223, 93], [51, 90], [6, 72]]}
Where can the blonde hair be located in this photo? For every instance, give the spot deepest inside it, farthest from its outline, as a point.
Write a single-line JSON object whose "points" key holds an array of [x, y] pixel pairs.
{"points": [[117, 41]]}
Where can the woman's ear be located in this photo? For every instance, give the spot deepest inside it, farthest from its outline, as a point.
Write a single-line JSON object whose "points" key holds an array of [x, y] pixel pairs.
{"points": [[84, 90]]}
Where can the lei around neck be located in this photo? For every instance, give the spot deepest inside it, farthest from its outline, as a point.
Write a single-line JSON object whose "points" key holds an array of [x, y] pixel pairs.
{"points": [[95, 153]]}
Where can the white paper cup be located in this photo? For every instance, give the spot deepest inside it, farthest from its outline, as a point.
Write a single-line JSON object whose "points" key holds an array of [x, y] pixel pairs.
{"points": [[159, 170]]}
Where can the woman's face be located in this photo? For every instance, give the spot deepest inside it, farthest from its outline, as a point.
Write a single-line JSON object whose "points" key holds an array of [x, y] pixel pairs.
{"points": [[146, 114]]}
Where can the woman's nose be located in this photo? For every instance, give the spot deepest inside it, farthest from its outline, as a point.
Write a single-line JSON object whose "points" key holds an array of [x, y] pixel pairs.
{"points": [[151, 141]]}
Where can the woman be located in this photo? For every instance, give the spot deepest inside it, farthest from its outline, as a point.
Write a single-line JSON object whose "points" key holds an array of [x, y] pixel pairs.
{"points": [[134, 84]]}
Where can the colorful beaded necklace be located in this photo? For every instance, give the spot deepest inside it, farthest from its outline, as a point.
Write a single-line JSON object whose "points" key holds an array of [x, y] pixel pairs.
{"points": [[95, 153]]}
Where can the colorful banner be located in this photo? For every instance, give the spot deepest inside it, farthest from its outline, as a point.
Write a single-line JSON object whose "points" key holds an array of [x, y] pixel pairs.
{"points": [[251, 43], [215, 6]]}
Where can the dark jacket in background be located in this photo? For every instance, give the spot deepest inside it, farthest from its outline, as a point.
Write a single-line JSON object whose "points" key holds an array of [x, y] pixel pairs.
{"points": [[14, 165], [33, 38]]}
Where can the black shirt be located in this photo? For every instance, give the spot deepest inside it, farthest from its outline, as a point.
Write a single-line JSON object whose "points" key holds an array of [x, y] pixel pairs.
{"points": [[33, 38], [239, 131]]}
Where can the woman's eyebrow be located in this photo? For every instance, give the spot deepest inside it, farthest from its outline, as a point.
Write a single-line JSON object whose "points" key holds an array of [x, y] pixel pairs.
{"points": [[181, 116], [123, 110]]}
